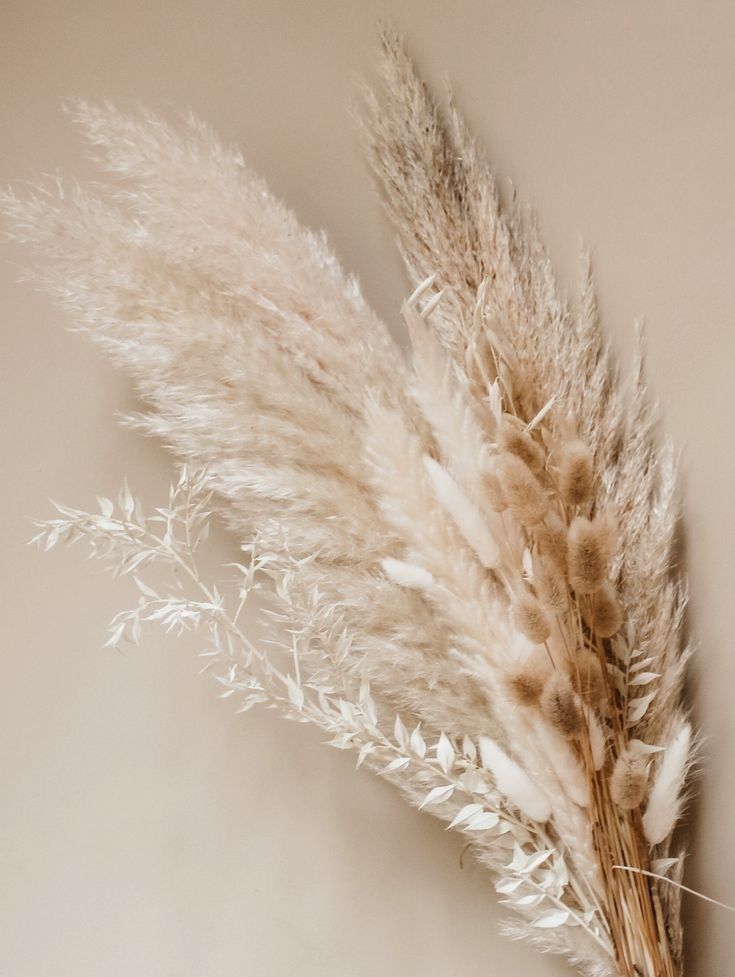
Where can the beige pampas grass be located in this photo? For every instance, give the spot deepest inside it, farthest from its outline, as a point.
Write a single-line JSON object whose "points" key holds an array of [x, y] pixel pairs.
{"points": [[465, 555], [467, 517]]}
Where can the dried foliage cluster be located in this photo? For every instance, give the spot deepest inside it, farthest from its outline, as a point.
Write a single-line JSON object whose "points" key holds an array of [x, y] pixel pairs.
{"points": [[467, 556]]}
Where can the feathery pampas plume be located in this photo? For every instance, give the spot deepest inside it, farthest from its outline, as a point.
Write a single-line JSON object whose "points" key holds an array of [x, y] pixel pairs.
{"points": [[470, 553]]}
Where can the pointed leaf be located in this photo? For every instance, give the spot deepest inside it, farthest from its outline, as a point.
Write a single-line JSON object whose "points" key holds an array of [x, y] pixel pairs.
{"points": [[436, 795], [506, 886], [445, 753], [417, 743], [643, 678], [295, 693], [466, 812], [398, 764], [483, 821], [401, 733], [637, 708], [550, 920]]}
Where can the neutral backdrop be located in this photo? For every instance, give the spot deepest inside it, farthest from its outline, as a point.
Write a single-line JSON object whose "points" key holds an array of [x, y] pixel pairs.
{"points": [[144, 830]]}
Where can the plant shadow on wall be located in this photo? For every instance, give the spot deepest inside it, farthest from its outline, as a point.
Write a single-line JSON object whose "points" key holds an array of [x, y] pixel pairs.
{"points": [[465, 560]]}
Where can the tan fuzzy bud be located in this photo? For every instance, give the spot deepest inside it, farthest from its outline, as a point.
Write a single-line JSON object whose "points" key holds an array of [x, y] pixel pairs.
{"points": [[586, 674], [551, 535], [550, 585], [531, 618], [590, 546], [516, 441], [629, 780], [522, 491], [526, 683], [493, 491], [604, 613], [560, 706], [575, 472]]}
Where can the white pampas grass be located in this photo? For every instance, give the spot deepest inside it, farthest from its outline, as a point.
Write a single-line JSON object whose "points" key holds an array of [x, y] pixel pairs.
{"points": [[666, 797], [469, 521], [514, 782]]}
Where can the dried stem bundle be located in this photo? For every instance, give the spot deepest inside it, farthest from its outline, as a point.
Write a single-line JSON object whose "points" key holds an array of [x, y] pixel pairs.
{"points": [[470, 552]]}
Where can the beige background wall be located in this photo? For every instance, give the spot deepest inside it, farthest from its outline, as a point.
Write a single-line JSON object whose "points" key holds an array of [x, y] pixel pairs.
{"points": [[145, 831]]}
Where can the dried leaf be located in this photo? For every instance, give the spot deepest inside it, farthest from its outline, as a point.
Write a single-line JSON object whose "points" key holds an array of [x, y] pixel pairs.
{"points": [[437, 795]]}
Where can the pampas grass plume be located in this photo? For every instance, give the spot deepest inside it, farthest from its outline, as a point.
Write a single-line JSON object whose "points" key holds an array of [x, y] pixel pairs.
{"points": [[465, 514]]}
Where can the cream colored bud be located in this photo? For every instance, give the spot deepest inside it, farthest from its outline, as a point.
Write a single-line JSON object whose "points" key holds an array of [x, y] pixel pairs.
{"points": [[629, 780], [575, 472], [590, 546], [531, 618]]}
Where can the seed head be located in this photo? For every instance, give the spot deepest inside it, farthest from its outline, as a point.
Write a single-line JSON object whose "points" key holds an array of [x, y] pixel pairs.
{"points": [[493, 491], [522, 491], [590, 546], [560, 706], [586, 674], [629, 780], [575, 472], [526, 683], [604, 613], [551, 536], [516, 441], [550, 585], [530, 617]]}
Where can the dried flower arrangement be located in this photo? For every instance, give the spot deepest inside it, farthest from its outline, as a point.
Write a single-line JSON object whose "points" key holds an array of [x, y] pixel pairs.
{"points": [[464, 562]]}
